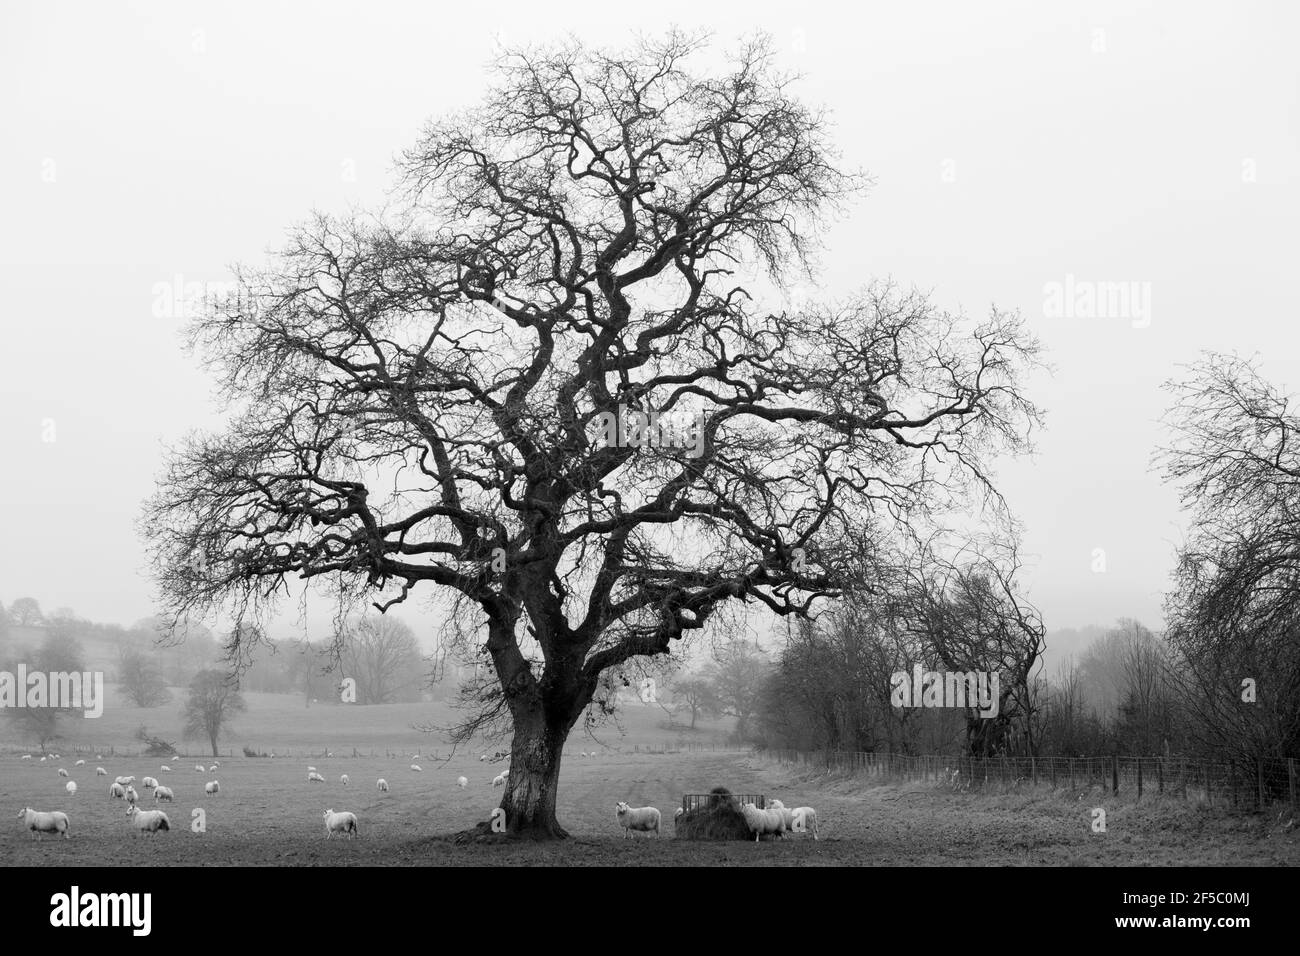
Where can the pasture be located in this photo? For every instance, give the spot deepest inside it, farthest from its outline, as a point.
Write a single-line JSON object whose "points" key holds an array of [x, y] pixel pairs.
{"points": [[268, 814]]}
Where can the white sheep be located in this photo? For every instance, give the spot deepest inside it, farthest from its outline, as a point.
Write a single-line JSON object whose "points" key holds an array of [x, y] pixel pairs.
{"points": [[639, 818], [341, 822], [62, 772], [38, 821], [117, 791], [314, 777], [481, 758], [215, 765], [165, 769], [148, 821], [787, 816], [805, 821], [149, 783], [344, 780], [131, 795], [27, 756], [101, 772], [311, 769], [381, 785], [415, 767], [763, 821], [212, 786], [198, 768], [124, 781], [500, 779], [462, 782], [80, 763], [678, 812], [71, 786], [42, 760], [163, 793]]}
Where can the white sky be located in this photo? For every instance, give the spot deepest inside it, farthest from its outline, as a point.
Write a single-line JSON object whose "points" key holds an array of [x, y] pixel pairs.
{"points": [[1012, 145]]}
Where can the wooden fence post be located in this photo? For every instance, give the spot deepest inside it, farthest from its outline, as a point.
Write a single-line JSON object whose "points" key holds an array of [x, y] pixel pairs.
{"points": [[1114, 773], [1139, 778]]}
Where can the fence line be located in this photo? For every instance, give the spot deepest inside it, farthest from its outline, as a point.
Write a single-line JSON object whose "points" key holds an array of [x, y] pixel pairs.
{"points": [[1241, 784]]}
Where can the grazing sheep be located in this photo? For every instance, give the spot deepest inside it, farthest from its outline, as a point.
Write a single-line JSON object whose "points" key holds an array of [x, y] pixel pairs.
{"points": [[42, 760], [148, 821], [341, 822], [639, 818], [38, 821], [198, 768], [763, 821], [163, 793], [62, 772], [131, 795], [215, 765], [311, 769], [124, 781], [212, 786], [805, 820], [101, 772], [415, 767], [27, 756], [500, 779], [80, 763], [344, 780], [117, 791], [787, 816], [165, 769], [678, 812], [462, 782], [71, 786], [149, 783], [382, 785], [314, 777]]}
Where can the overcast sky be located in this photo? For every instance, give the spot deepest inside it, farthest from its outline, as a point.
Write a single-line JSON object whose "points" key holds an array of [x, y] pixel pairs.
{"points": [[1013, 146]]}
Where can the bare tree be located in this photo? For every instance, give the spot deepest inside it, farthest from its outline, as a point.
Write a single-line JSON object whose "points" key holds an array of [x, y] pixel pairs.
{"points": [[214, 699], [971, 617], [141, 678], [382, 656], [26, 612], [460, 396], [1234, 609], [696, 694]]}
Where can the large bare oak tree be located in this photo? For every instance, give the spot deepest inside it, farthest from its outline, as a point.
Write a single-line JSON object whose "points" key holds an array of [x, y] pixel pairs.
{"points": [[420, 398]]}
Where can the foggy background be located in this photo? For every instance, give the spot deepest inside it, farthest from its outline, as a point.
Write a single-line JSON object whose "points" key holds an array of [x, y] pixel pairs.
{"points": [[150, 146]]}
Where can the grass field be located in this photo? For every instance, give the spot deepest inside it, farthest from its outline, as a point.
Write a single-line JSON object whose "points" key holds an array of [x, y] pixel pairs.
{"points": [[267, 814]]}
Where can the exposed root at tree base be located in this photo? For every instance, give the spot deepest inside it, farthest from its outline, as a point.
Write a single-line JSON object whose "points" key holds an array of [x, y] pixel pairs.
{"points": [[482, 833]]}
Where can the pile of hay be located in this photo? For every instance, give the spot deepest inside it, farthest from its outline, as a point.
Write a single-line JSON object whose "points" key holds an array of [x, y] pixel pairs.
{"points": [[719, 819]]}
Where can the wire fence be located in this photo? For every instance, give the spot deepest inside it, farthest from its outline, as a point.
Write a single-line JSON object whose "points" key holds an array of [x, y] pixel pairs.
{"points": [[1240, 784]]}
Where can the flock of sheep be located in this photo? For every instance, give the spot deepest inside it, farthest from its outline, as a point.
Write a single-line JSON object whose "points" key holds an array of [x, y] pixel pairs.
{"points": [[776, 819], [151, 821]]}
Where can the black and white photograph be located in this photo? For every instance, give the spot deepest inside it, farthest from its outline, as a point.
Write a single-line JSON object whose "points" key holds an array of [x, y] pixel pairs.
{"points": [[470, 437]]}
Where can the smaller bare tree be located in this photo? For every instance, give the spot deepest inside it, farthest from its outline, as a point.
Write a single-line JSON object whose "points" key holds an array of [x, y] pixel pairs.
{"points": [[214, 699]]}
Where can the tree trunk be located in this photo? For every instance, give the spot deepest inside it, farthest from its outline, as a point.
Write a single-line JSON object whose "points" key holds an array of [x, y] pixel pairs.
{"points": [[213, 741], [531, 788]]}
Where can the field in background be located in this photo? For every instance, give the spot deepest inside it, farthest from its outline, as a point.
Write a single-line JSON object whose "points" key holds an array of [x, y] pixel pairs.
{"points": [[283, 723], [268, 814]]}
